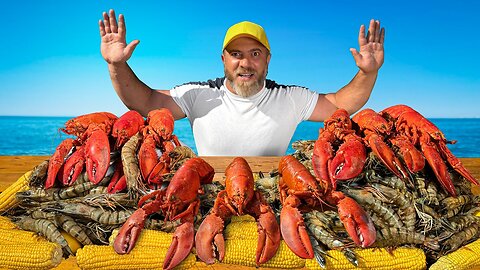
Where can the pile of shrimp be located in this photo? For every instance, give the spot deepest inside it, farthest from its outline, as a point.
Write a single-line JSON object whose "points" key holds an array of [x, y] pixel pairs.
{"points": [[421, 215]]}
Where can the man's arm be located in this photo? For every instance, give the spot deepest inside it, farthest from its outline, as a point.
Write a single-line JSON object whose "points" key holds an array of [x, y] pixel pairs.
{"points": [[134, 93], [355, 94]]}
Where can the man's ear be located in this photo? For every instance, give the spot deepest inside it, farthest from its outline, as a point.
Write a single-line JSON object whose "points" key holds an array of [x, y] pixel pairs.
{"points": [[268, 58], [223, 57]]}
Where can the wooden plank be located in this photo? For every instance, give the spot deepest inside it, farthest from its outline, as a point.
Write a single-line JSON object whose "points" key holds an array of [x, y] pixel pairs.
{"points": [[12, 167]]}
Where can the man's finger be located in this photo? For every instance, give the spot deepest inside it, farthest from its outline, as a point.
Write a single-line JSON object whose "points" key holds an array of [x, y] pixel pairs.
{"points": [[377, 31], [106, 22], [371, 31], [382, 36], [113, 21], [356, 55], [122, 30], [361, 36], [102, 28]]}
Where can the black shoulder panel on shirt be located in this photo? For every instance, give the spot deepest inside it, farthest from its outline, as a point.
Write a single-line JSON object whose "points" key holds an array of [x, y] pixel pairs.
{"points": [[272, 84], [215, 83]]}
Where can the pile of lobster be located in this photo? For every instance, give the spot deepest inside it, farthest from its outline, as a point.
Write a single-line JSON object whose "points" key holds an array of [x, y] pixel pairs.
{"points": [[374, 180]]}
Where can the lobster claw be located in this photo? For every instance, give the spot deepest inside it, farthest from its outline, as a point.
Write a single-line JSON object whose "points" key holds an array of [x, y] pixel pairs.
{"points": [[439, 168], [293, 229], [130, 231], [118, 182], [413, 158], [97, 155], [386, 155], [268, 236], [322, 154], [348, 161], [57, 160], [126, 126], [357, 222], [73, 167], [182, 243], [209, 238]]}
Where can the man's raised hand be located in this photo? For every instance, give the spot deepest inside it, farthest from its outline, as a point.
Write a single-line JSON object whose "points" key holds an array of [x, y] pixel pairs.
{"points": [[114, 46], [371, 56]]}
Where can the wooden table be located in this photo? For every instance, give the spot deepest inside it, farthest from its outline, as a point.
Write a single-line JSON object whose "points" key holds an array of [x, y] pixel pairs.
{"points": [[12, 167]]}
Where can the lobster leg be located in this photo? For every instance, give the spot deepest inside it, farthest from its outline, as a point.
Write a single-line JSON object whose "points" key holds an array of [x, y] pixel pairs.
{"points": [[57, 160], [357, 222], [293, 228], [268, 229], [97, 155]]}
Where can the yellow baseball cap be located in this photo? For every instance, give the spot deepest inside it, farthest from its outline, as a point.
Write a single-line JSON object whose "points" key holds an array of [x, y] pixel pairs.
{"points": [[247, 28]]}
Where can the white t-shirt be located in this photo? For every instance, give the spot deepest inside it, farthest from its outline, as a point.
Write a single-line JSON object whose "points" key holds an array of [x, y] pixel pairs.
{"points": [[225, 124]]}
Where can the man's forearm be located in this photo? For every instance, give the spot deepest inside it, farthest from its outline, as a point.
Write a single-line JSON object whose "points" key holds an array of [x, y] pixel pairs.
{"points": [[133, 92], [356, 93]]}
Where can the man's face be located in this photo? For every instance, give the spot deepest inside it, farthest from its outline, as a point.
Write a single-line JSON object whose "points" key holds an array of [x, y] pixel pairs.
{"points": [[245, 62]]}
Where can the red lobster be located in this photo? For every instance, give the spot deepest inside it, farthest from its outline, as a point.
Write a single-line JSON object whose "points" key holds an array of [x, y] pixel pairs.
{"points": [[346, 162], [159, 132], [298, 187], [412, 126], [238, 198], [178, 201], [92, 132], [375, 130]]}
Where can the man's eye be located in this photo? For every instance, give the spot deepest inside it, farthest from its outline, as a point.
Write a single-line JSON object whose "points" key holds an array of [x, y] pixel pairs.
{"points": [[256, 54], [236, 54]]}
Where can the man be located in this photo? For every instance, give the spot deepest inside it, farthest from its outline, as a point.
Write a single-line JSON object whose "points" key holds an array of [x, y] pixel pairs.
{"points": [[242, 114]]}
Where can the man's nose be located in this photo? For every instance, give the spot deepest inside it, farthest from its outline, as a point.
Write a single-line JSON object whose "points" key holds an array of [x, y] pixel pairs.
{"points": [[245, 62]]}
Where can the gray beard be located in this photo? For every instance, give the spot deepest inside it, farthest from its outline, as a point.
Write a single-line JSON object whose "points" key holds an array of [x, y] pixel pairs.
{"points": [[246, 89]]}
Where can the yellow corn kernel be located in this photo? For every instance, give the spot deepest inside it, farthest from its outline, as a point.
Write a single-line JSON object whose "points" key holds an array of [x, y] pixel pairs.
{"points": [[379, 258], [6, 223], [14, 236], [7, 197], [38, 255], [70, 263], [141, 257], [464, 258], [151, 238], [241, 239], [242, 218]]}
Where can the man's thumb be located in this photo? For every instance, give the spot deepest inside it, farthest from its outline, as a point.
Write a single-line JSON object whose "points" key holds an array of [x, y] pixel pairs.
{"points": [[131, 46]]}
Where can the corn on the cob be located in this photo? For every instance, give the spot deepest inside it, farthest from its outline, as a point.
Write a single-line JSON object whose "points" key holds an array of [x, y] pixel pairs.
{"points": [[14, 236], [7, 197], [466, 257], [70, 263], [151, 238], [141, 257], [241, 238], [400, 258], [6, 223], [38, 255]]}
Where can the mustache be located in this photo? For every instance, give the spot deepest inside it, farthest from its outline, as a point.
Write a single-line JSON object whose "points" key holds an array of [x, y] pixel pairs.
{"points": [[239, 71]]}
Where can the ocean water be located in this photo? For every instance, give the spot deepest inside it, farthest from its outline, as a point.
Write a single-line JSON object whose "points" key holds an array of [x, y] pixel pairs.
{"points": [[20, 135]]}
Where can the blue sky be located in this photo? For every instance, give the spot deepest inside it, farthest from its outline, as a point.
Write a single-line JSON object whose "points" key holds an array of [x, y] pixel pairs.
{"points": [[51, 64]]}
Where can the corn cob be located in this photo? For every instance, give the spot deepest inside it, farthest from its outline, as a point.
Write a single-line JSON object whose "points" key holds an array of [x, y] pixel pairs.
{"points": [[241, 243], [72, 242], [7, 197], [400, 258], [150, 238], [141, 257], [13, 236], [38, 255], [6, 223], [466, 257]]}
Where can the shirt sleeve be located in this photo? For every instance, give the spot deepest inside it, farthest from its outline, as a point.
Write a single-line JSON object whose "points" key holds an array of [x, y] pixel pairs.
{"points": [[184, 97], [305, 101]]}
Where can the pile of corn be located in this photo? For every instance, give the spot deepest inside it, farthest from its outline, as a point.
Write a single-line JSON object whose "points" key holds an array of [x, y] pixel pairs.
{"points": [[26, 250]]}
